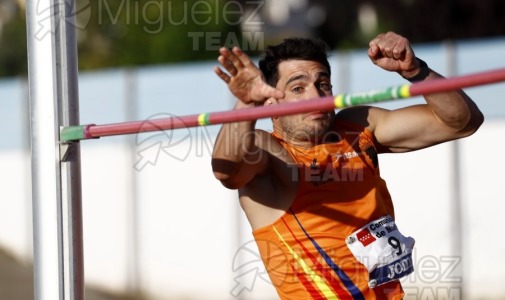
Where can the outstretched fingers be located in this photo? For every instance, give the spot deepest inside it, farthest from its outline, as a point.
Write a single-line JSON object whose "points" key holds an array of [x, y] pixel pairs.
{"points": [[244, 59], [230, 61], [243, 77], [225, 77], [266, 90]]}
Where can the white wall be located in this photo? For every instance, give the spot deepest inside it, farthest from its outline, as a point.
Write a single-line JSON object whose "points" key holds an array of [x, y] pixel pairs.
{"points": [[189, 224], [15, 203]]}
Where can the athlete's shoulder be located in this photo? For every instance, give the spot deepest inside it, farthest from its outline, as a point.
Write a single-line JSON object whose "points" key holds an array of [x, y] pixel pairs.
{"points": [[265, 140], [357, 116], [364, 117]]}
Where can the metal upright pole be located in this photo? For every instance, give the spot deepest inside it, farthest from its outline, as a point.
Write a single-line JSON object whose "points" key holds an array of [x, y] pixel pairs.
{"points": [[56, 182], [133, 207], [456, 206], [70, 165]]}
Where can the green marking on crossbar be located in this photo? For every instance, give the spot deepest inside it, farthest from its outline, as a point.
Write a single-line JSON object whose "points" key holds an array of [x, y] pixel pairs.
{"points": [[72, 133]]}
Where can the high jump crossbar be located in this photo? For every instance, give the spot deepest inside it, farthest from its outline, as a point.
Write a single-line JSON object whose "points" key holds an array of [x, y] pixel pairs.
{"points": [[83, 132]]}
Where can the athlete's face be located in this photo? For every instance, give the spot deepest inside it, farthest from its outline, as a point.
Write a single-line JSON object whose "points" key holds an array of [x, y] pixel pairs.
{"points": [[302, 80]]}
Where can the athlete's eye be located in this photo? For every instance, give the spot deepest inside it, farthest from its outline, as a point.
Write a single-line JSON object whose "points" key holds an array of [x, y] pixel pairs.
{"points": [[297, 90], [325, 86]]}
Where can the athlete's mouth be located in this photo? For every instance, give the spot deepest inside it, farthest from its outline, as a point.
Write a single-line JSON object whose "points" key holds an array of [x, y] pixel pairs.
{"points": [[316, 115]]}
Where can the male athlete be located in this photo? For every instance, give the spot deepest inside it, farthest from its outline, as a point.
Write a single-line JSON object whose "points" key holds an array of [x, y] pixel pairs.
{"points": [[321, 214]]}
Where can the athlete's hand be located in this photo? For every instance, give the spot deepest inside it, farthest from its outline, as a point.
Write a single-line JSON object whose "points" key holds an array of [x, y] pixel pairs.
{"points": [[243, 78], [393, 52]]}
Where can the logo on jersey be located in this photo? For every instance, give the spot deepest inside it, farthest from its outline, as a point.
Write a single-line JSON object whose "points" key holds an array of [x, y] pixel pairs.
{"points": [[365, 237]]}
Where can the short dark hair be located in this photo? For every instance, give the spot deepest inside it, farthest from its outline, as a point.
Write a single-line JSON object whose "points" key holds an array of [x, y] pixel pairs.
{"points": [[292, 48]]}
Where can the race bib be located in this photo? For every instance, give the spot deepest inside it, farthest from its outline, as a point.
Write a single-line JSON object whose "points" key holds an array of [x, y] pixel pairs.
{"points": [[385, 252]]}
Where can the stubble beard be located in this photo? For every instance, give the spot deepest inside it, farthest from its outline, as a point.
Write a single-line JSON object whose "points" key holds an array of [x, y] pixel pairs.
{"points": [[295, 127]]}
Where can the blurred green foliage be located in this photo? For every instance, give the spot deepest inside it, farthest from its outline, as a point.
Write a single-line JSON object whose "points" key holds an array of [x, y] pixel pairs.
{"points": [[137, 32], [134, 32], [13, 59], [421, 21]]}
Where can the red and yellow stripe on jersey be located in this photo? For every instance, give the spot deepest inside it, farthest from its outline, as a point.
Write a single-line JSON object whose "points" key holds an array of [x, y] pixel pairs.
{"points": [[340, 190]]}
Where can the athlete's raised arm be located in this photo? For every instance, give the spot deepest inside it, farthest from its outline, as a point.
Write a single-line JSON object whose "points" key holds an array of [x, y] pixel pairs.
{"points": [[236, 158], [445, 116]]}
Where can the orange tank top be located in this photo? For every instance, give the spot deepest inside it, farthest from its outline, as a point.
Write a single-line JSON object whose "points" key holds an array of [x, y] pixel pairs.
{"points": [[340, 190]]}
